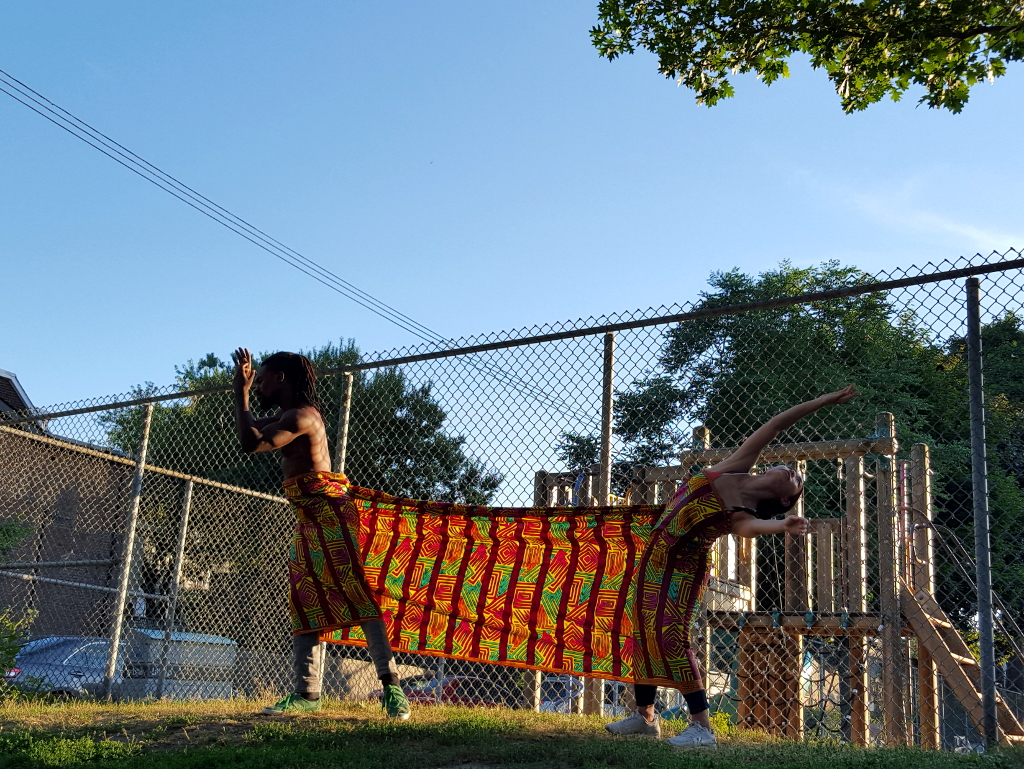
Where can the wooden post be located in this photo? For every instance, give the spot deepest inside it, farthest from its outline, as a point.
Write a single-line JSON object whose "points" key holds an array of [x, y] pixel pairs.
{"points": [[921, 518], [923, 572], [798, 564], [894, 665], [746, 568], [855, 704], [585, 496], [644, 492], [769, 681], [825, 564], [855, 545]]}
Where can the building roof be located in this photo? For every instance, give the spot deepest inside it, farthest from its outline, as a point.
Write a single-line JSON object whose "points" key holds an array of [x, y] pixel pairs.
{"points": [[12, 395]]}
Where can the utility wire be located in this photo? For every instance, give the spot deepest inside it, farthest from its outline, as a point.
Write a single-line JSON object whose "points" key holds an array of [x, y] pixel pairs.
{"points": [[151, 173]]}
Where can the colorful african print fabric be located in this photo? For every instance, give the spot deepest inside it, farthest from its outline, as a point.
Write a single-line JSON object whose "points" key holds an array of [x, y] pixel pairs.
{"points": [[327, 585], [608, 592]]}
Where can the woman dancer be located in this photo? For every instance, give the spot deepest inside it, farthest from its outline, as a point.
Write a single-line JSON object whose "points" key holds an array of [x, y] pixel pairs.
{"points": [[722, 499]]}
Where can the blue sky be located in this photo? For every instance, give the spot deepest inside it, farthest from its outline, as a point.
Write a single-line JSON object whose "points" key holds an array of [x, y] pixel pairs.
{"points": [[476, 164]]}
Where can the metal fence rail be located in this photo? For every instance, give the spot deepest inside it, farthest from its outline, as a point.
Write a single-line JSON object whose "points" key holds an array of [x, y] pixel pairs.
{"points": [[153, 550]]}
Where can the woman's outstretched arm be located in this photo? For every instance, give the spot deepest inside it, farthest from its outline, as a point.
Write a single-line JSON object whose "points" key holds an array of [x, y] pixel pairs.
{"points": [[745, 457], [746, 525]]}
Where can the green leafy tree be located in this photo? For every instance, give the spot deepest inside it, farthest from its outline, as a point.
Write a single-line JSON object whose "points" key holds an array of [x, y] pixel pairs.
{"points": [[731, 373], [396, 442], [869, 49]]}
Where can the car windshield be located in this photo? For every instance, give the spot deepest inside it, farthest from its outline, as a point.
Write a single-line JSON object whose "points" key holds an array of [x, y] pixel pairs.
{"points": [[52, 651], [419, 684], [93, 655]]}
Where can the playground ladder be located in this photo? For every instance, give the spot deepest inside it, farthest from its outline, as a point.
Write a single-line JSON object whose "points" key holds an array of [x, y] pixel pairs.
{"points": [[955, 662]]}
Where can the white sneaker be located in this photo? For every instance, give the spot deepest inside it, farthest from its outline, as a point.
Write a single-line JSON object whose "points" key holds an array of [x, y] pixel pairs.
{"points": [[694, 736], [635, 723]]}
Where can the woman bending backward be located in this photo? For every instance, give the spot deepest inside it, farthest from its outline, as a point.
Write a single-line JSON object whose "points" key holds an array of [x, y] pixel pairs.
{"points": [[751, 504]]}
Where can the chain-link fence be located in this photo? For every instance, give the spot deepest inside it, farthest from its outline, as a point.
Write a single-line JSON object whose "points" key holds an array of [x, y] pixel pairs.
{"points": [[152, 551]]}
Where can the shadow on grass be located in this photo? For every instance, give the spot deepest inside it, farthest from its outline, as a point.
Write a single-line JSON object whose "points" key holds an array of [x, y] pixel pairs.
{"points": [[454, 739]]}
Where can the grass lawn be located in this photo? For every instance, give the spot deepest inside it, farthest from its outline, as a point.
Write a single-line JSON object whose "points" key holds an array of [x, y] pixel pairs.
{"points": [[231, 734]]}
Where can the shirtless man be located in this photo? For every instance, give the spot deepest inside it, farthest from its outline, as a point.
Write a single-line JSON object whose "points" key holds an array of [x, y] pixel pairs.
{"points": [[327, 592]]}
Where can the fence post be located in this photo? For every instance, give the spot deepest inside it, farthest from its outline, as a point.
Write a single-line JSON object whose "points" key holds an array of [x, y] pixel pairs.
{"points": [[593, 688], [341, 445], [604, 488], [129, 556], [172, 602], [982, 551]]}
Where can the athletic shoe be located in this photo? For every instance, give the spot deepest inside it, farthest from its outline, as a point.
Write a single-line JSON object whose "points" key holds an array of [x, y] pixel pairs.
{"points": [[394, 703], [694, 736], [292, 705], [635, 723]]}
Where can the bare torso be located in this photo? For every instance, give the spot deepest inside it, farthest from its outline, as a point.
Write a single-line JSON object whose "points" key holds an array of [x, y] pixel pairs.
{"points": [[308, 452]]}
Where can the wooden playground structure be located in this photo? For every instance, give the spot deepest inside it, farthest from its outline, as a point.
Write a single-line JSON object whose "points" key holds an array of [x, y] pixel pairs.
{"points": [[829, 587]]}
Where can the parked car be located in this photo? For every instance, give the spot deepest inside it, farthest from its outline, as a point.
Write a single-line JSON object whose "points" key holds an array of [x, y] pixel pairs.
{"points": [[65, 666], [456, 690], [194, 666], [558, 691]]}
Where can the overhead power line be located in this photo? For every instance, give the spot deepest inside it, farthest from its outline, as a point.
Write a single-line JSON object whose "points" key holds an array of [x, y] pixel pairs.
{"points": [[96, 139]]}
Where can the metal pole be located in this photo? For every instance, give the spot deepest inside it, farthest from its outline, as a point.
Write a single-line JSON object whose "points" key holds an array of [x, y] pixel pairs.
{"points": [[604, 488], [129, 554], [341, 446], [593, 688], [983, 555], [172, 606]]}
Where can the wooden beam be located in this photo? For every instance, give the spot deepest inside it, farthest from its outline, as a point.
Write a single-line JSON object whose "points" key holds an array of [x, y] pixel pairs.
{"points": [[921, 518], [824, 552], [855, 550], [923, 573], [893, 676], [798, 569]]}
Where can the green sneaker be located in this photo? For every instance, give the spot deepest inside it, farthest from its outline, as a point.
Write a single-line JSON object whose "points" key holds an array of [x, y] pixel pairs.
{"points": [[292, 705], [394, 703]]}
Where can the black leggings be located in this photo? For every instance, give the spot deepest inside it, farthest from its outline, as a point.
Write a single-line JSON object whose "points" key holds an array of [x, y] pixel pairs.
{"points": [[696, 702]]}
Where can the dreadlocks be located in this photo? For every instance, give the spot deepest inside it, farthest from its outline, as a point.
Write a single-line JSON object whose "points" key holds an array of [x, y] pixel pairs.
{"points": [[299, 373]]}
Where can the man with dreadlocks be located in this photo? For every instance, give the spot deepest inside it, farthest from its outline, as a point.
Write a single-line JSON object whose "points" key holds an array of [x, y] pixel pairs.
{"points": [[328, 587]]}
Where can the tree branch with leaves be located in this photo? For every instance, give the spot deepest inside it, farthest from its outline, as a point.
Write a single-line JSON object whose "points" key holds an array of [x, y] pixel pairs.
{"points": [[870, 50]]}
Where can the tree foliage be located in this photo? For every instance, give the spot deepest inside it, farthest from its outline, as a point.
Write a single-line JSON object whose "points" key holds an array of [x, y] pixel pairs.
{"points": [[870, 49], [732, 372], [396, 443]]}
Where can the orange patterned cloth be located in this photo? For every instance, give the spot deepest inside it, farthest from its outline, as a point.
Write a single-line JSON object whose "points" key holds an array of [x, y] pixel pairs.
{"points": [[327, 586], [608, 592]]}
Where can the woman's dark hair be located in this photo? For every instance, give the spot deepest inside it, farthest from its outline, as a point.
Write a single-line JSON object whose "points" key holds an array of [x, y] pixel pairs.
{"points": [[299, 373], [769, 508]]}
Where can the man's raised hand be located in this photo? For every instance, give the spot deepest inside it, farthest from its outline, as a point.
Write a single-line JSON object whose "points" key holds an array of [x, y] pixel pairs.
{"points": [[244, 373]]}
